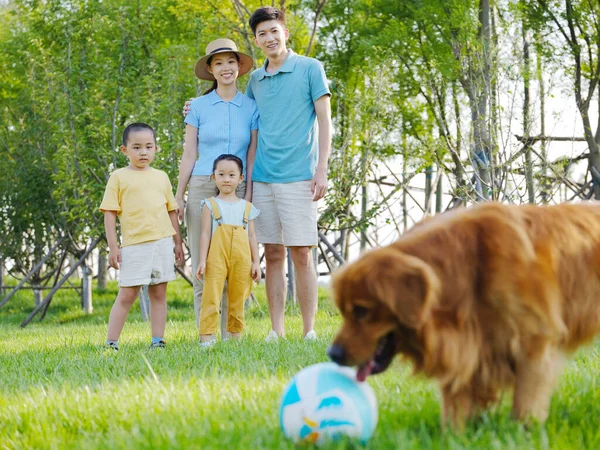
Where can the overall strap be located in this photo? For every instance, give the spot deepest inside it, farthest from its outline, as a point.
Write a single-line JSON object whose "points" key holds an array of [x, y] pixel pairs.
{"points": [[247, 213], [216, 210]]}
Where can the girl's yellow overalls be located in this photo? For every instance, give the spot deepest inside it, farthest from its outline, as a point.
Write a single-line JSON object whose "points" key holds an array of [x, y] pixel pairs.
{"points": [[229, 258]]}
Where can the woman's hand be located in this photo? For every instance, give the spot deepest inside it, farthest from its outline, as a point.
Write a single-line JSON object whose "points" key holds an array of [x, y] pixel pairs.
{"points": [[256, 273], [200, 270], [180, 208]]}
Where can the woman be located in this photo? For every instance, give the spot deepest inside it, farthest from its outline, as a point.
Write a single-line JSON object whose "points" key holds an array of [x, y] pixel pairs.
{"points": [[222, 121]]}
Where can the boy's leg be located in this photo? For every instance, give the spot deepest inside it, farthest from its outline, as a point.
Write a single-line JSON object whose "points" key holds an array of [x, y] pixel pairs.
{"points": [[158, 308], [118, 313], [306, 285], [276, 285]]}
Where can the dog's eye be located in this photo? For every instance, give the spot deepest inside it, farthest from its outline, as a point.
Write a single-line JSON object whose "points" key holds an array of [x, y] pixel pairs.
{"points": [[359, 312]]}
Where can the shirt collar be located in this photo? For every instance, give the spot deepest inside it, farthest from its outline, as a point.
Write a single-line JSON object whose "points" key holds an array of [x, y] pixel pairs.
{"points": [[288, 66], [214, 98]]}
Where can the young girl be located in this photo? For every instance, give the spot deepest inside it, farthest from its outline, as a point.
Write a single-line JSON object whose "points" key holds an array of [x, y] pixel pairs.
{"points": [[228, 251], [223, 120]]}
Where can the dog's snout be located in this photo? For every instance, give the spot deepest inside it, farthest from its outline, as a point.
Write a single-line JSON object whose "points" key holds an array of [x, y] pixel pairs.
{"points": [[337, 353]]}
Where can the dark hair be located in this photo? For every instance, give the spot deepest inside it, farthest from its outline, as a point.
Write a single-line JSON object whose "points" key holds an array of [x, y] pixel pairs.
{"points": [[263, 15], [215, 84], [227, 157], [138, 126]]}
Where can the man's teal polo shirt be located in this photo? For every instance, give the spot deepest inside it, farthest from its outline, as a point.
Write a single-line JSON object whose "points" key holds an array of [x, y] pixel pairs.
{"points": [[288, 146]]}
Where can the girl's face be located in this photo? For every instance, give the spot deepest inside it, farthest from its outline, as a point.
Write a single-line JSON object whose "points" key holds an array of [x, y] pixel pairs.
{"points": [[225, 68], [227, 176]]}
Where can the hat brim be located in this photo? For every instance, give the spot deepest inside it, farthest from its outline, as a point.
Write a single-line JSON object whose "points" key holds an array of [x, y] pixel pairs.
{"points": [[201, 68]]}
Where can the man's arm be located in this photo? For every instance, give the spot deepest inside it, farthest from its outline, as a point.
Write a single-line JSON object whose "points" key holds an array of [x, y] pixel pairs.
{"points": [[323, 111]]}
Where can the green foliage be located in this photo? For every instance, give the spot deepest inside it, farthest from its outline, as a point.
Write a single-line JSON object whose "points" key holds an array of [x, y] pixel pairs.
{"points": [[73, 75]]}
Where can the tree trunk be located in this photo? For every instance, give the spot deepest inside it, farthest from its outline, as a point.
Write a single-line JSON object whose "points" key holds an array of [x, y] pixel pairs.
{"points": [[102, 267], [526, 117]]}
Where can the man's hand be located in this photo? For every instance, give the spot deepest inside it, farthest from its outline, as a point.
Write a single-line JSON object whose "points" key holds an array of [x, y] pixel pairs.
{"points": [[319, 184], [114, 258], [186, 107]]}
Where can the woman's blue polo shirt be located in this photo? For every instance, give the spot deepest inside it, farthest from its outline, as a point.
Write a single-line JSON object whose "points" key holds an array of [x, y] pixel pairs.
{"points": [[223, 127]]}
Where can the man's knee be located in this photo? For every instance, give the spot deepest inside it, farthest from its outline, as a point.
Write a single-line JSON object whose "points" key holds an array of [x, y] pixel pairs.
{"points": [[301, 256], [274, 253]]}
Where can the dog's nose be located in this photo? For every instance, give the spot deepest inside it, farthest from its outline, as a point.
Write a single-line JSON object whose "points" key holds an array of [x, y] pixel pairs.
{"points": [[337, 354]]}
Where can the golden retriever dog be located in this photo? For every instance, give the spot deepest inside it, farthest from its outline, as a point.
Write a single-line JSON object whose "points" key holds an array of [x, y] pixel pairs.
{"points": [[482, 300]]}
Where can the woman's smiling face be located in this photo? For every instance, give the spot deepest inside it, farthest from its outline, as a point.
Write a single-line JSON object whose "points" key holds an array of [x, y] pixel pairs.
{"points": [[225, 67]]}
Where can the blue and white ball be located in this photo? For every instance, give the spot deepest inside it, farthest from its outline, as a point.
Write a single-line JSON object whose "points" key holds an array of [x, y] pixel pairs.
{"points": [[324, 402]]}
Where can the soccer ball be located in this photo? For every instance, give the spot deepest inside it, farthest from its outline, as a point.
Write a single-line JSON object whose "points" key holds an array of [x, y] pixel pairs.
{"points": [[324, 402]]}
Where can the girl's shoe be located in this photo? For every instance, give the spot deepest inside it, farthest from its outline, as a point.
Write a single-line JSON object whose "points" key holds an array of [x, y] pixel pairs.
{"points": [[207, 344]]}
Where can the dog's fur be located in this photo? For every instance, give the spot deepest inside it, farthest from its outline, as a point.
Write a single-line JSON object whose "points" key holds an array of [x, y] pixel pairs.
{"points": [[482, 300]]}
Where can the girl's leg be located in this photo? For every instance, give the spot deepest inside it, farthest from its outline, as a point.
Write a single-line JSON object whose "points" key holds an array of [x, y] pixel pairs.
{"points": [[208, 337], [211, 297], [118, 314], [238, 290], [158, 308]]}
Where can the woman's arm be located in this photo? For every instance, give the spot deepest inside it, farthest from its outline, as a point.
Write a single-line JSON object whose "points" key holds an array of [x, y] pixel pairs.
{"points": [[250, 157], [179, 256], [205, 235], [188, 160]]}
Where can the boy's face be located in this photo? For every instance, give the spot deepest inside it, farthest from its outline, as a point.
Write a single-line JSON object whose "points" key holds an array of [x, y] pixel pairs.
{"points": [[140, 149], [270, 37]]}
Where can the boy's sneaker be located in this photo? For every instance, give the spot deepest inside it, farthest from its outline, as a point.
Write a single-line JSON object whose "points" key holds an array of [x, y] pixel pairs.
{"points": [[158, 344], [272, 336], [311, 336], [112, 346]]}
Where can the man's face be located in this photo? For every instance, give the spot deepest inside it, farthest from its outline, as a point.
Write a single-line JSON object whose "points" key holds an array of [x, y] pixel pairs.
{"points": [[270, 37]]}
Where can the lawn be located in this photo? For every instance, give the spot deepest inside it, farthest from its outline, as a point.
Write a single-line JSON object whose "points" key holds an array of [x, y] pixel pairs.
{"points": [[60, 389]]}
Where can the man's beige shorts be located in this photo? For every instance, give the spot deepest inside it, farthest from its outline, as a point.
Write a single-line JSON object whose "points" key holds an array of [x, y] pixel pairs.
{"points": [[147, 263], [288, 215]]}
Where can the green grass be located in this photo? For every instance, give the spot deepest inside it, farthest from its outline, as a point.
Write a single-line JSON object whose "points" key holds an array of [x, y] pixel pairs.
{"points": [[59, 389]]}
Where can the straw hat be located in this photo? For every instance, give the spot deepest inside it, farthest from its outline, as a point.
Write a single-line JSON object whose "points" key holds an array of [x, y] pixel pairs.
{"points": [[222, 46]]}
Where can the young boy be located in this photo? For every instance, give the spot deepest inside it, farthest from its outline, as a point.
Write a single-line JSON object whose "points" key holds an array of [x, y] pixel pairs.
{"points": [[142, 198]]}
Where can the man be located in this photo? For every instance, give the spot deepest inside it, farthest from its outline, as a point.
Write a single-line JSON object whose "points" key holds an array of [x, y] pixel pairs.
{"points": [[290, 171]]}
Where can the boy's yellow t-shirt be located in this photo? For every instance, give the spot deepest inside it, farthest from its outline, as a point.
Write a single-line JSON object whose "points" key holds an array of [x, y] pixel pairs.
{"points": [[142, 200]]}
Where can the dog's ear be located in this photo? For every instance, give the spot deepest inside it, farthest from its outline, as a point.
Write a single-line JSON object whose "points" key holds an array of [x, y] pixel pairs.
{"points": [[406, 285]]}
